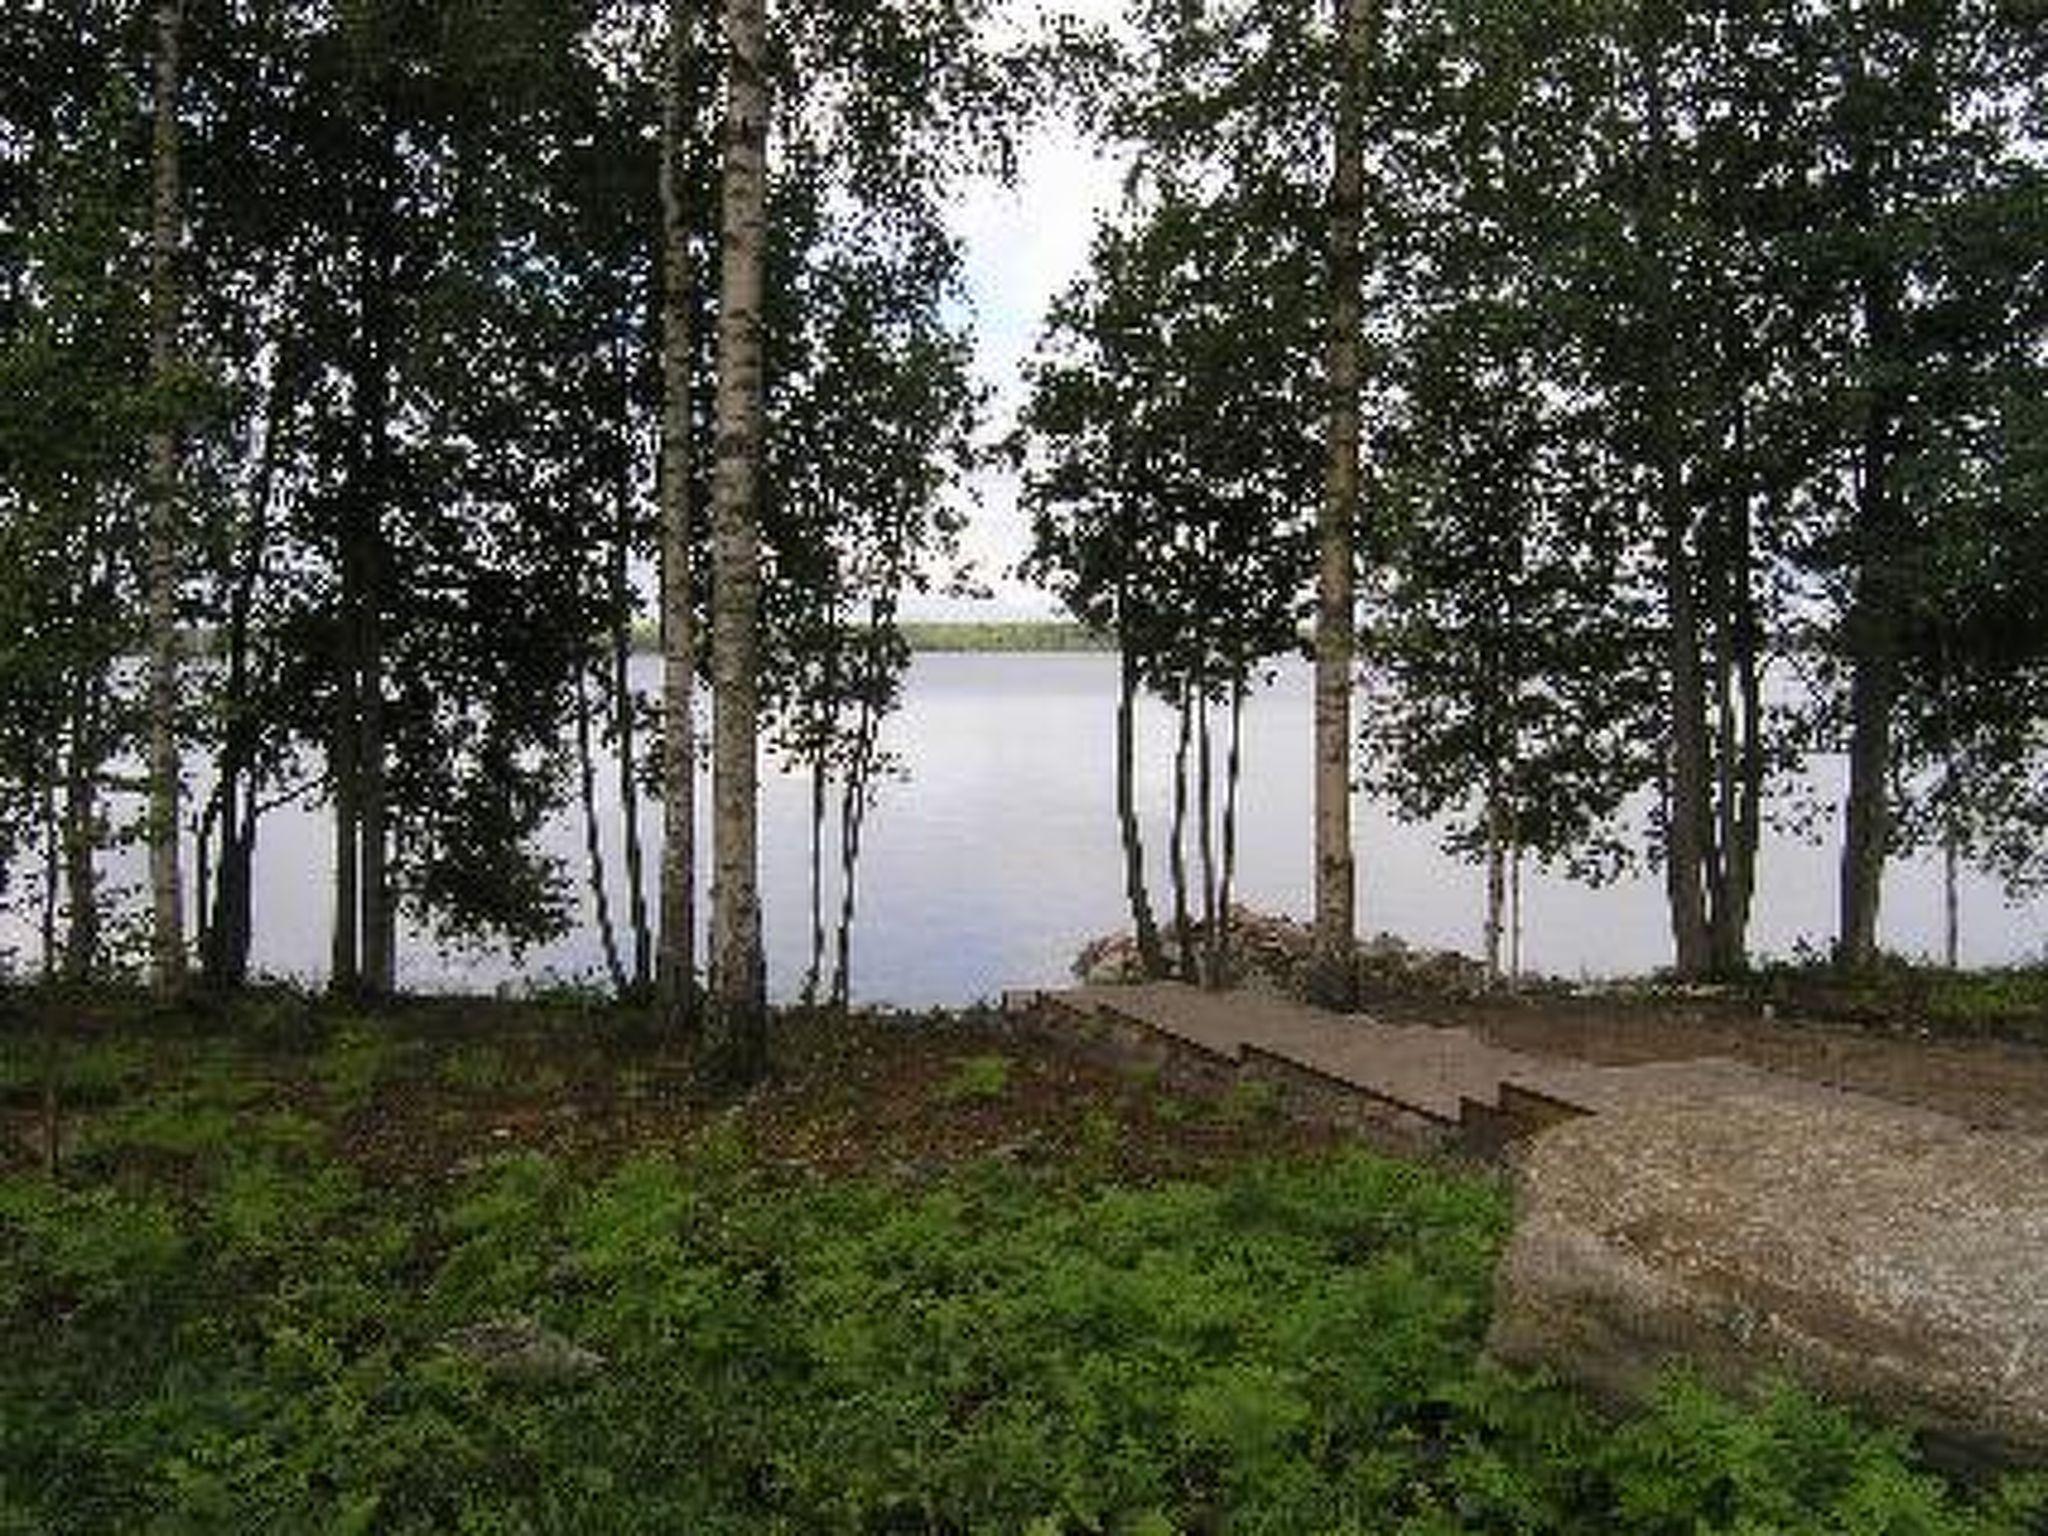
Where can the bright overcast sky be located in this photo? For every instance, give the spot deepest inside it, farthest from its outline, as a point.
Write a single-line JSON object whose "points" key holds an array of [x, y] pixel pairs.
{"points": [[1024, 243]]}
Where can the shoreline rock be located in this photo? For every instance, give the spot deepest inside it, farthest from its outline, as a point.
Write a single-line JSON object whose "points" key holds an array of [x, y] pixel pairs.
{"points": [[1897, 1261], [1266, 949]]}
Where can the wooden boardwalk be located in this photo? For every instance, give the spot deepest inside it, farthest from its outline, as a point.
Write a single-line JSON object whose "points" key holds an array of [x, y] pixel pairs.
{"points": [[1422, 1083]]}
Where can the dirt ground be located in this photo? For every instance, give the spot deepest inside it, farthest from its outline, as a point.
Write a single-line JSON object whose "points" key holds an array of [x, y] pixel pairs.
{"points": [[435, 1087], [1997, 1084]]}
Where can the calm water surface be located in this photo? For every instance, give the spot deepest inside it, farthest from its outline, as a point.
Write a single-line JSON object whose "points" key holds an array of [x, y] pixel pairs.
{"points": [[996, 858]]}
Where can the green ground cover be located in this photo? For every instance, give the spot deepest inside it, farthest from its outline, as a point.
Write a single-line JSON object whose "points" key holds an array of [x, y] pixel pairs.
{"points": [[884, 1295], [1902, 996]]}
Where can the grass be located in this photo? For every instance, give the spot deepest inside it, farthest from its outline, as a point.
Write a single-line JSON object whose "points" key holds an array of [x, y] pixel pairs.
{"points": [[841, 1305], [2009, 1003], [977, 1079]]}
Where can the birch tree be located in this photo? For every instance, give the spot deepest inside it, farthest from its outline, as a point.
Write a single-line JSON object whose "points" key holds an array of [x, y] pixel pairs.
{"points": [[737, 1026], [677, 965], [167, 927], [1334, 978]]}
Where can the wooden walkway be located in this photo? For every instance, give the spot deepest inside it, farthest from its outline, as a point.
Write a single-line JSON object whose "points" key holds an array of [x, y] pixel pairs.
{"points": [[1422, 1084]]}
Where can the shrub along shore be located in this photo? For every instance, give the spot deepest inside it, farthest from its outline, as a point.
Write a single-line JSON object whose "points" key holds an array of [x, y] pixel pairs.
{"points": [[497, 1266]]}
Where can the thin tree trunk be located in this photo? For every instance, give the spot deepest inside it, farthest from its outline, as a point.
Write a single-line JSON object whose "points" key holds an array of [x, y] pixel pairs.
{"points": [[1951, 869], [379, 275], [853, 808], [853, 815], [202, 866], [1873, 651], [380, 918], [814, 972], [1150, 956], [1740, 851], [1333, 978], [1496, 885], [81, 836], [1867, 815], [345, 976], [1177, 850], [1687, 813], [739, 1038], [1724, 754], [167, 927], [624, 724], [1738, 745], [235, 914], [53, 864], [1233, 771], [1515, 912], [1206, 779], [593, 842], [677, 963], [229, 933]]}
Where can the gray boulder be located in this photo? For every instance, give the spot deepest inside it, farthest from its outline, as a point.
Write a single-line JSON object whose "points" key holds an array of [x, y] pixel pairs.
{"points": [[1889, 1258]]}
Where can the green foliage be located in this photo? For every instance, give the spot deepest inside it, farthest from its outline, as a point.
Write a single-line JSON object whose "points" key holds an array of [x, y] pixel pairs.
{"points": [[95, 1073], [1251, 1102], [977, 1079], [261, 1343], [2009, 1002], [479, 1068], [357, 1056], [1900, 995]]}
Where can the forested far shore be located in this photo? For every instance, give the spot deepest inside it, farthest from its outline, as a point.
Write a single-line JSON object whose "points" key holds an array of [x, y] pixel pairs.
{"points": [[933, 636], [966, 636]]}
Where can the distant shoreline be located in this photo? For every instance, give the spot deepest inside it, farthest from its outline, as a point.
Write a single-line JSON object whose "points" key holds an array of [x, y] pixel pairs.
{"points": [[1019, 635], [972, 636]]}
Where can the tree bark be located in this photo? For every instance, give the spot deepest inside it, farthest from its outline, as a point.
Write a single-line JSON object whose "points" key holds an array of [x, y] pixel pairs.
{"points": [[593, 841], [167, 925], [1744, 823], [1333, 979], [814, 972], [1687, 810], [380, 918], [737, 1037], [1951, 869], [81, 834], [53, 864], [677, 963], [344, 966], [853, 815], [624, 722], [1872, 644], [225, 948], [1177, 848], [1222, 968], [1515, 912], [1206, 780], [378, 278], [1150, 956], [1496, 885]]}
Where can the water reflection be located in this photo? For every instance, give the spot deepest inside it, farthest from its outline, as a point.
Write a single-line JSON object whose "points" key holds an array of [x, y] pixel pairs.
{"points": [[991, 863]]}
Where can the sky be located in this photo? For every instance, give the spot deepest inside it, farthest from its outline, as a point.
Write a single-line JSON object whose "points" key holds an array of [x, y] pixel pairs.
{"points": [[1023, 244]]}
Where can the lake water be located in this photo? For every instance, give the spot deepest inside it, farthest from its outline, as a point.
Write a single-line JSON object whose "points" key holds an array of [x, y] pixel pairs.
{"points": [[997, 858]]}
